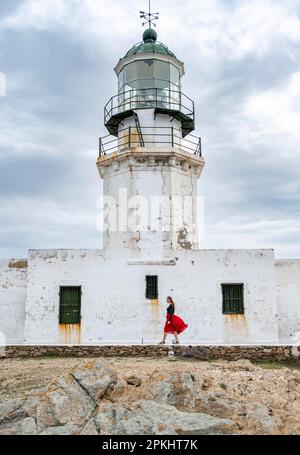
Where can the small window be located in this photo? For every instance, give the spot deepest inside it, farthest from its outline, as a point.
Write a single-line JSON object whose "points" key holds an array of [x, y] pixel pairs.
{"points": [[151, 287], [161, 70], [70, 305], [233, 298], [174, 75], [130, 72], [145, 69]]}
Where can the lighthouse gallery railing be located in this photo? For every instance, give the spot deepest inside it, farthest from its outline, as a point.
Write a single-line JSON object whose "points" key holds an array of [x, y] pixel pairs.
{"points": [[172, 100], [129, 137]]}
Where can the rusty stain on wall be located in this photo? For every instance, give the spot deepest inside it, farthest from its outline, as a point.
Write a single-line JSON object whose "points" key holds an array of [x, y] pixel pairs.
{"points": [[183, 241], [70, 333], [237, 322], [155, 311], [19, 264]]}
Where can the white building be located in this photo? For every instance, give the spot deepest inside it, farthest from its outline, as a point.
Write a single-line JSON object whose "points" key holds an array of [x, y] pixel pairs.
{"points": [[149, 168]]}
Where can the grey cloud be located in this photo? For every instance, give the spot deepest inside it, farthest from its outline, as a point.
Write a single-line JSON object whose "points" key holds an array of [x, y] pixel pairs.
{"points": [[58, 83]]}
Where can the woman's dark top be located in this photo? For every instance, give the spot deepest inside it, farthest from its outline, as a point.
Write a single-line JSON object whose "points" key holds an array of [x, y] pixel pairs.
{"points": [[170, 311]]}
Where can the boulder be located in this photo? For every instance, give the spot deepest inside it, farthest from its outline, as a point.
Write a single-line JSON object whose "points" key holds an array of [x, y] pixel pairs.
{"points": [[61, 430], [147, 417], [95, 379], [90, 428], [30, 406], [65, 402], [11, 428], [260, 414], [11, 410], [177, 390], [28, 427], [217, 404]]}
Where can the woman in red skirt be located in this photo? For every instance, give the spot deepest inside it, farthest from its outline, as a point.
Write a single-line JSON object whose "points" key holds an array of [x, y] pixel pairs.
{"points": [[174, 324]]}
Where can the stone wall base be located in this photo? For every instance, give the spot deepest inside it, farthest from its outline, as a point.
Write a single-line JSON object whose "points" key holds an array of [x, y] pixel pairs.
{"points": [[281, 353]]}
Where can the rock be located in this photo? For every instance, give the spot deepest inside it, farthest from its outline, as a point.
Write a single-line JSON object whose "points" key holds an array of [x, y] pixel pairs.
{"points": [[11, 410], [177, 390], [200, 353], [147, 417], [61, 430], [95, 379], [30, 406], [260, 414], [217, 404], [11, 428], [65, 402], [28, 427], [89, 429], [133, 380]]}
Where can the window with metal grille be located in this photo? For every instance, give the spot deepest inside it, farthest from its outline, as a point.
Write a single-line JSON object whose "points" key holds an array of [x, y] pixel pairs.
{"points": [[233, 298], [151, 287], [70, 304]]}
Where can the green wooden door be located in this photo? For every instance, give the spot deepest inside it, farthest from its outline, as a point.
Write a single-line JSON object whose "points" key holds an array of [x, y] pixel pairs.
{"points": [[70, 305]]}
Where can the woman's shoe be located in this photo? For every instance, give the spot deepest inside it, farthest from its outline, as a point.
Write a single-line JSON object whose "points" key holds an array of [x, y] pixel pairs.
{"points": [[175, 342], [162, 342]]}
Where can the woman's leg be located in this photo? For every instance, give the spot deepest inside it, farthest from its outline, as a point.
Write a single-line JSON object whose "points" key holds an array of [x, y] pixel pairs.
{"points": [[164, 337], [176, 337]]}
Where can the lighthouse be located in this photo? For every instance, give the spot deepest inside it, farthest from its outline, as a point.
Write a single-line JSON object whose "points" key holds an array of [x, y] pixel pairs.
{"points": [[151, 161]]}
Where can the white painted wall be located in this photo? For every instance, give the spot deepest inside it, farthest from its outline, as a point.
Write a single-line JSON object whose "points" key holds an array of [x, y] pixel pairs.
{"points": [[156, 129], [288, 299], [114, 308], [13, 286], [146, 175]]}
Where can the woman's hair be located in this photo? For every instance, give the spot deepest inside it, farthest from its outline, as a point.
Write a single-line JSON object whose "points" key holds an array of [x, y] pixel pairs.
{"points": [[170, 299]]}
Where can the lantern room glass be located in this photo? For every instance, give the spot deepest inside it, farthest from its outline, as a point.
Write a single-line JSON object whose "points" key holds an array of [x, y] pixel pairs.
{"points": [[144, 83]]}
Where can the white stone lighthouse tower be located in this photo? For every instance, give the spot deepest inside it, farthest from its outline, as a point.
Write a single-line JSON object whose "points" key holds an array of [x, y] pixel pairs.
{"points": [[150, 162]]}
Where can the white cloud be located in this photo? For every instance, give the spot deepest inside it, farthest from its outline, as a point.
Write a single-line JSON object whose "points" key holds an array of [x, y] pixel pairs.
{"points": [[276, 113], [214, 28]]}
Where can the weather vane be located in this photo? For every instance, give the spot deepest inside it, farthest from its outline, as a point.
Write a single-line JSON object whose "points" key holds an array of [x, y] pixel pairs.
{"points": [[149, 17]]}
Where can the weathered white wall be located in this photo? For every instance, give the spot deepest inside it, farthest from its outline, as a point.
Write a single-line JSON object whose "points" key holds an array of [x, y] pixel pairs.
{"points": [[114, 308], [47, 271], [145, 177], [13, 285], [288, 299]]}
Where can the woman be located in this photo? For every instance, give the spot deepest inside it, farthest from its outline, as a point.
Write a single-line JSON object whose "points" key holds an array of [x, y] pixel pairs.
{"points": [[174, 324]]}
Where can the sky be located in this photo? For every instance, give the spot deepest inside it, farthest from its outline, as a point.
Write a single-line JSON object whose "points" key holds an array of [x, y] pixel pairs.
{"points": [[242, 64]]}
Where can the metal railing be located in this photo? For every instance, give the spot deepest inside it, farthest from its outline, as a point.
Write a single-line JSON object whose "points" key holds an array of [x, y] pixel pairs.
{"points": [[173, 100], [131, 137]]}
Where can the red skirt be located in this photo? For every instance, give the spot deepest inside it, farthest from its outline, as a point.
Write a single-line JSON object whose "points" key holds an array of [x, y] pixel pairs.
{"points": [[177, 325]]}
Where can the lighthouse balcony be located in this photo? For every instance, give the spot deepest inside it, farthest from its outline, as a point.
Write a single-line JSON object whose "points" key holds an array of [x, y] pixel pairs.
{"points": [[169, 102], [149, 137]]}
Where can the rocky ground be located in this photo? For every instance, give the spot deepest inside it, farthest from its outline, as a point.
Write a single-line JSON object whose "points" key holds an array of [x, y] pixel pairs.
{"points": [[148, 396]]}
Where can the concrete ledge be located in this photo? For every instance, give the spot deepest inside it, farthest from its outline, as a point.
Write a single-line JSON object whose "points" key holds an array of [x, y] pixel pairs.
{"points": [[281, 353]]}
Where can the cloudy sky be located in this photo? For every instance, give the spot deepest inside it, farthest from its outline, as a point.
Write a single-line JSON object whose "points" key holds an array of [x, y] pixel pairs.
{"points": [[242, 61]]}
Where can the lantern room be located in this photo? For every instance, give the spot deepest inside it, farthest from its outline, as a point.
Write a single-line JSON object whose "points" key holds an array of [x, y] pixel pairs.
{"points": [[149, 77]]}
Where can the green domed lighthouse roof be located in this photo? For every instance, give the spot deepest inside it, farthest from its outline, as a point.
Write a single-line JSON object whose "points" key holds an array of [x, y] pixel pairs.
{"points": [[149, 45]]}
